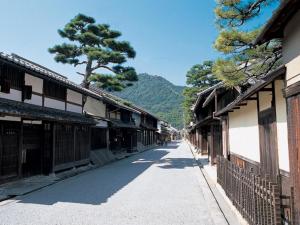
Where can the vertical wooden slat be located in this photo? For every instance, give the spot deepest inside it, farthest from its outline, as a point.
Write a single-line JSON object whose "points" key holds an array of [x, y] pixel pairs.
{"points": [[256, 198]]}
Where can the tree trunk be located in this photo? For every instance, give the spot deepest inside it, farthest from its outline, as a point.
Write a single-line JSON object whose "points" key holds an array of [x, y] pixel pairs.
{"points": [[88, 72]]}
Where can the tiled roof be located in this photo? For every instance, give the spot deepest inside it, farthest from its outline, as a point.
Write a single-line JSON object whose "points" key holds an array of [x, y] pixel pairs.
{"points": [[267, 79], [111, 98], [27, 64]]}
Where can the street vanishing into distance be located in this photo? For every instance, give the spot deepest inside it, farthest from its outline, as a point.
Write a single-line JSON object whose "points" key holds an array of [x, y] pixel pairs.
{"points": [[157, 187]]}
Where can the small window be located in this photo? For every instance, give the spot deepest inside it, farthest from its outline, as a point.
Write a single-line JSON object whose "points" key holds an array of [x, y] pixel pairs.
{"points": [[5, 86], [27, 92], [54, 90], [11, 78]]}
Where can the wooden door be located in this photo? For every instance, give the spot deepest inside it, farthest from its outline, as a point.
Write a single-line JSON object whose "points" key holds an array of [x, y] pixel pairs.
{"points": [[268, 144], [204, 147], [82, 140], [32, 150], [9, 149], [293, 104], [216, 148]]}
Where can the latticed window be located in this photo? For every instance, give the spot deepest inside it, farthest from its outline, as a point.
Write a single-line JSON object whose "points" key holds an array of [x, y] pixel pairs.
{"points": [[11, 77], [54, 90]]}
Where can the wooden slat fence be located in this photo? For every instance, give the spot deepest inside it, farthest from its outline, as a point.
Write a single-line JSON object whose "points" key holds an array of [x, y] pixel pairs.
{"points": [[257, 199]]}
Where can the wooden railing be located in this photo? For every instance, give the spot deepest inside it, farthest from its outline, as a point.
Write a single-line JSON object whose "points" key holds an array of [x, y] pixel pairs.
{"points": [[257, 199]]}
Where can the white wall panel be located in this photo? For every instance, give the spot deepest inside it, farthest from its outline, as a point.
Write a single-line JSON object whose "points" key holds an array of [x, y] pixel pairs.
{"points": [[73, 96], [95, 107], [35, 100], [15, 95], [74, 108], [35, 82], [282, 129], [55, 104], [244, 132]]}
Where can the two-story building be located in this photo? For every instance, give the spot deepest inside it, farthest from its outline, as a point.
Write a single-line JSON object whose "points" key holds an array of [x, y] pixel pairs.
{"points": [[251, 151], [42, 125], [284, 25]]}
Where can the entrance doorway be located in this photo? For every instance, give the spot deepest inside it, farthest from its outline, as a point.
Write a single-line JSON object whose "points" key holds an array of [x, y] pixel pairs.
{"points": [[32, 151], [9, 150], [268, 145]]}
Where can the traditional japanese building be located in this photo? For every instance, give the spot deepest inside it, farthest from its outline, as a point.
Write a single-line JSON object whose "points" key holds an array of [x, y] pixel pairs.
{"points": [[250, 146], [284, 25], [42, 125]]}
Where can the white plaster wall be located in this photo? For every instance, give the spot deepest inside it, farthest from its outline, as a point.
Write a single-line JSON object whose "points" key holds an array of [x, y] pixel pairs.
{"points": [[10, 118], [52, 103], [95, 107], [265, 99], [74, 108], [73, 96], [101, 123], [282, 129], [291, 50], [35, 82], [35, 100], [244, 132], [15, 95]]}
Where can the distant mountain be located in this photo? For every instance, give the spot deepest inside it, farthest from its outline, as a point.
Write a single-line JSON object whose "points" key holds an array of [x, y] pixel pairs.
{"points": [[157, 95]]}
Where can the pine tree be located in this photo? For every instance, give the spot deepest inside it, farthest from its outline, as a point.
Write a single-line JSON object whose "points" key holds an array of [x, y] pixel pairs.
{"points": [[96, 48], [199, 77], [242, 59]]}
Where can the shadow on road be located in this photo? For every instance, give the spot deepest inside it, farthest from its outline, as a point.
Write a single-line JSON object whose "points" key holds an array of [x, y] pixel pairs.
{"points": [[97, 186]]}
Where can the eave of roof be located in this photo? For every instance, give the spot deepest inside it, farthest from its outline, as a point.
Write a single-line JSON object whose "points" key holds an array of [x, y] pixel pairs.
{"points": [[206, 91], [29, 111], [205, 121], [148, 127], [253, 89], [109, 98], [120, 124], [209, 98], [43, 72], [275, 26]]}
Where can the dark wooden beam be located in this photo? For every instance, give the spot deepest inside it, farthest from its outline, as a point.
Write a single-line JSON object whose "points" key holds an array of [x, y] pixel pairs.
{"points": [[252, 99], [293, 89], [266, 89]]}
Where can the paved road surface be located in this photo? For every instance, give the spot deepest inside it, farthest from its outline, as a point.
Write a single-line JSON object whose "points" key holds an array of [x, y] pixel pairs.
{"points": [[157, 187]]}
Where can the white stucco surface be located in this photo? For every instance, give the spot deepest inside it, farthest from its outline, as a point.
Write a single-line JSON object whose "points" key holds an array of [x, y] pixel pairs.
{"points": [[265, 99], [291, 50], [15, 95], [10, 118], [35, 100], [74, 108], [244, 132], [95, 107], [35, 82], [53, 103], [282, 129], [73, 96]]}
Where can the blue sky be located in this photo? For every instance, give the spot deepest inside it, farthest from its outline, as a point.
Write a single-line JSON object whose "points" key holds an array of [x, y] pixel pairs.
{"points": [[169, 36]]}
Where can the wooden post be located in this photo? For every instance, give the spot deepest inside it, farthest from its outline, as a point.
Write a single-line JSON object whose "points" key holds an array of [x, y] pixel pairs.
{"points": [[53, 145], [107, 139], [20, 149]]}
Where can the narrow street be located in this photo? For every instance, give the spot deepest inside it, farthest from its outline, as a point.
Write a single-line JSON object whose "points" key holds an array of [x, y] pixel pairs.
{"points": [[161, 186]]}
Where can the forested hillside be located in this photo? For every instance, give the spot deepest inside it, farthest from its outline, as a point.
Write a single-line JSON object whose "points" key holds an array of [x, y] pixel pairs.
{"points": [[157, 95]]}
